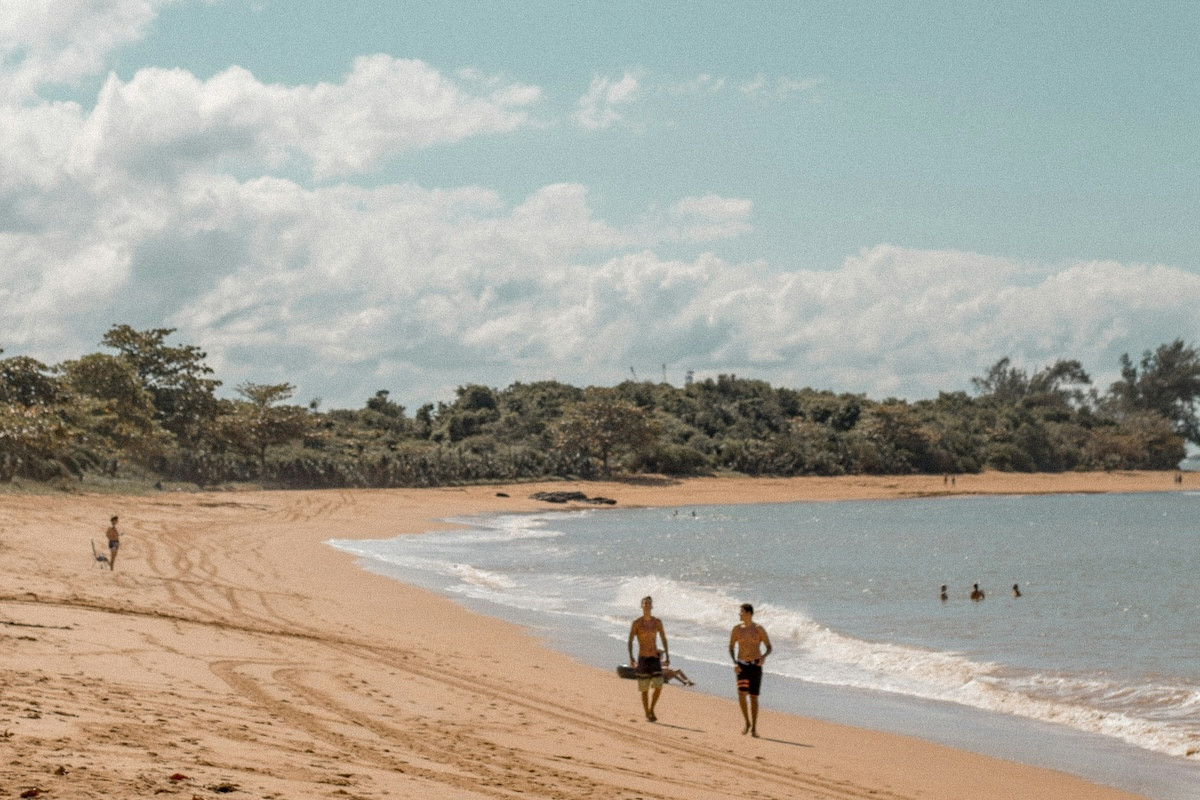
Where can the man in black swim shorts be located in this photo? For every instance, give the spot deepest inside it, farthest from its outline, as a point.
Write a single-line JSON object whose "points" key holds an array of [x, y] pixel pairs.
{"points": [[746, 643], [647, 629], [114, 542], [749, 677]]}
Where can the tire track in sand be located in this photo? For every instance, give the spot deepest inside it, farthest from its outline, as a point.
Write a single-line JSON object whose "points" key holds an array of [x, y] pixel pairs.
{"points": [[440, 753]]}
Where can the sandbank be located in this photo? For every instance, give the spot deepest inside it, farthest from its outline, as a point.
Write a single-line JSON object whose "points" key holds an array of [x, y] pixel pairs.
{"points": [[232, 651]]}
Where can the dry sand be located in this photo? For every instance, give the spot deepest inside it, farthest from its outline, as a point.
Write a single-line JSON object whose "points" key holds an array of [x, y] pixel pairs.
{"points": [[232, 651]]}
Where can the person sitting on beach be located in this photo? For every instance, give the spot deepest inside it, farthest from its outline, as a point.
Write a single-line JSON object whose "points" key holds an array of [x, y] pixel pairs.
{"points": [[647, 629], [976, 593], [944, 597], [670, 674], [1016, 590]]}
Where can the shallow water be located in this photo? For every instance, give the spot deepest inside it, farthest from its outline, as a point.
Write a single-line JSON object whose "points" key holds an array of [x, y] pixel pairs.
{"points": [[1093, 670]]}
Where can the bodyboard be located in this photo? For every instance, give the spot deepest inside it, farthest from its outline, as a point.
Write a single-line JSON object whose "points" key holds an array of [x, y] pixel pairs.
{"points": [[626, 671]]}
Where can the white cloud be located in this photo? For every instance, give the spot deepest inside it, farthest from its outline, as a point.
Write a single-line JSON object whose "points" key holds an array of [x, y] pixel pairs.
{"points": [[59, 42], [388, 105], [703, 84], [599, 107], [177, 201], [779, 88], [711, 217], [344, 290], [165, 121]]}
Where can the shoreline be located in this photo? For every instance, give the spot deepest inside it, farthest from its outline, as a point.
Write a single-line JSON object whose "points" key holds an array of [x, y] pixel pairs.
{"points": [[232, 647]]}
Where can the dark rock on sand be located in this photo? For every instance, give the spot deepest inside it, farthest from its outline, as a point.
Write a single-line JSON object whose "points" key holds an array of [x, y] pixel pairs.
{"points": [[571, 497]]}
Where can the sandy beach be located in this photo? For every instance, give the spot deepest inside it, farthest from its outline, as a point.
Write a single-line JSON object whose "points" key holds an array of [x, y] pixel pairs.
{"points": [[232, 651]]}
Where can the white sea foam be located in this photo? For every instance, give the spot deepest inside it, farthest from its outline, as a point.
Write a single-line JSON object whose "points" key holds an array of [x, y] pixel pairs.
{"points": [[473, 576], [1157, 718], [503, 529]]}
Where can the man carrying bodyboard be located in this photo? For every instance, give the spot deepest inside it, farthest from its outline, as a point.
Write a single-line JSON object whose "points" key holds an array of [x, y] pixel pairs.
{"points": [[647, 629]]}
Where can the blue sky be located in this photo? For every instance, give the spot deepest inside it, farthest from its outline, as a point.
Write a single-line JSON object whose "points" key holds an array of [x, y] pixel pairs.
{"points": [[879, 197]]}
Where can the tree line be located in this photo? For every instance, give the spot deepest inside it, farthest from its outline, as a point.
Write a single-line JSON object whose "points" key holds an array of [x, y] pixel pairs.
{"points": [[148, 409]]}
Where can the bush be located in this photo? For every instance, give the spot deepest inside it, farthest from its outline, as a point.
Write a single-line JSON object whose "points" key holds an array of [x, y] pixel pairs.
{"points": [[670, 459]]}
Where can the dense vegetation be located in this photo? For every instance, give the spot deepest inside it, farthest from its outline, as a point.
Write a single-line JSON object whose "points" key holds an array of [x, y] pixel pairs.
{"points": [[150, 408]]}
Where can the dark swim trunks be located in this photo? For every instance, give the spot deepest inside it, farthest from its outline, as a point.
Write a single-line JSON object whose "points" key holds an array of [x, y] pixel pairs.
{"points": [[113, 544], [749, 677], [649, 672]]}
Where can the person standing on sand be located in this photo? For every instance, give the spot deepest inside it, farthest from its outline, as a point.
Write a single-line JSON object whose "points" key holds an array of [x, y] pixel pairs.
{"points": [[114, 542], [746, 643], [647, 629]]}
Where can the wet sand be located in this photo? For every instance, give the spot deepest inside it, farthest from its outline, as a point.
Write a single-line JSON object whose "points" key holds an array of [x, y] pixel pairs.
{"points": [[232, 651]]}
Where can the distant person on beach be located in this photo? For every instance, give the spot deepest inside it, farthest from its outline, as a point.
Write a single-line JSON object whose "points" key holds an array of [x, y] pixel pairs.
{"points": [[1016, 590], [648, 629], [114, 542], [670, 674], [746, 643], [976, 593], [944, 597]]}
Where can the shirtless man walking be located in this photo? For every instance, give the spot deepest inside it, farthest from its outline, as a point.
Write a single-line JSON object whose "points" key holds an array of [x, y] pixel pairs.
{"points": [[647, 629], [746, 643], [114, 543]]}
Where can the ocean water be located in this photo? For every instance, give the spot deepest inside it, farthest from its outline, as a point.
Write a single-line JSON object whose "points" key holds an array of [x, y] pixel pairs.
{"points": [[1094, 670]]}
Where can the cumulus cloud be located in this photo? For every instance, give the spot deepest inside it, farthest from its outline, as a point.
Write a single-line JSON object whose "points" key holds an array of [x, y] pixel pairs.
{"points": [[62, 41], [601, 106], [171, 120], [345, 290], [226, 207], [98, 195]]}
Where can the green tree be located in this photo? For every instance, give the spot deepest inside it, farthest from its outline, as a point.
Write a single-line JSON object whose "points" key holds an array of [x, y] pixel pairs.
{"points": [[384, 415], [474, 408], [1064, 379], [898, 441], [258, 423], [528, 410], [26, 381], [114, 408], [603, 425], [176, 377], [32, 440], [1008, 384], [1167, 383], [383, 406], [34, 421]]}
